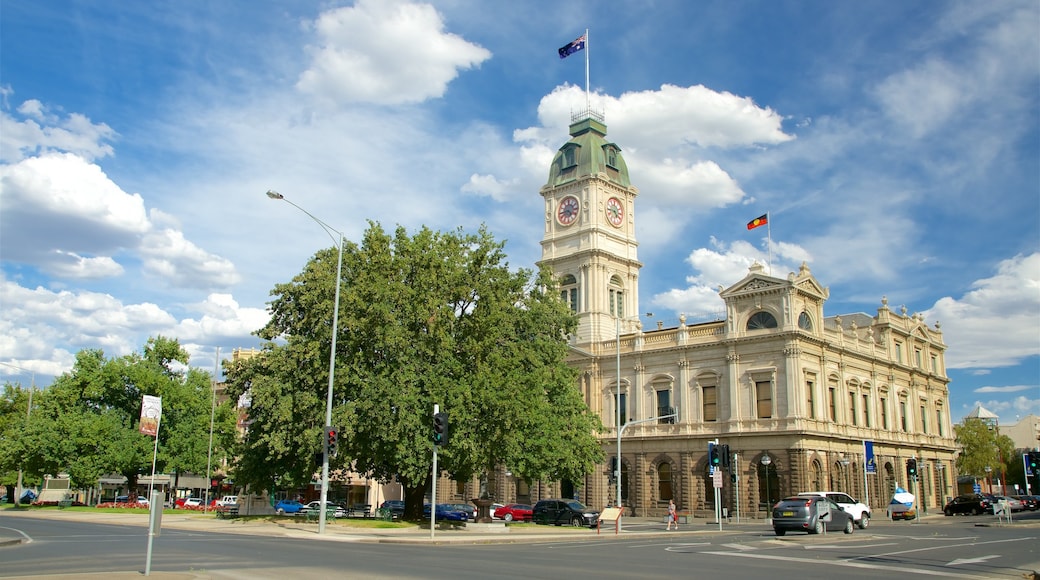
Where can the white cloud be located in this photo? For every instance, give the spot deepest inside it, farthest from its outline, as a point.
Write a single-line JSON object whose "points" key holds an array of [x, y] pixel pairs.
{"points": [[995, 324], [42, 131], [83, 268], [170, 256], [489, 186], [385, 52], [1009, 389]]}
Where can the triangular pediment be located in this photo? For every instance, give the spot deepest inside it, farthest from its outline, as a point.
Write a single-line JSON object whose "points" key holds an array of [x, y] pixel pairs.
{"points": [[753, 284]]}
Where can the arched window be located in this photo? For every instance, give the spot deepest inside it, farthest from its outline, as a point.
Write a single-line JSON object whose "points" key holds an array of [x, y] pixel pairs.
{"points": [[804, 322], [569, 291], [664, 481], [617, 297], [760, 321]]}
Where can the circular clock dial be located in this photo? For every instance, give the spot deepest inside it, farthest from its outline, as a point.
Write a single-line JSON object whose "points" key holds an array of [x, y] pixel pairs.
{"points": [[567, 212], [615, 211]]}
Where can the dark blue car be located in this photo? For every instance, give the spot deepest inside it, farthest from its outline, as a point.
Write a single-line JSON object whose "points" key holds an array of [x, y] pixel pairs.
{"points": [[447, 512]]}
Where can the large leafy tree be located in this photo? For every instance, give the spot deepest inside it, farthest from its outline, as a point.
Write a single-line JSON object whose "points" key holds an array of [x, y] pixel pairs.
{"points": [[14, 416], [982, 446], [424, 319], [86, 422]]}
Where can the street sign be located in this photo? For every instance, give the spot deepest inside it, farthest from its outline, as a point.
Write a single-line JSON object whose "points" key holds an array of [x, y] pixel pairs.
{"points": [[716, 478], [976, 488]]}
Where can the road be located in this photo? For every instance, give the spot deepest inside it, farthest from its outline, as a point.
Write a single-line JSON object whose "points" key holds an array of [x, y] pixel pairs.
{"points": [[959, 547]]}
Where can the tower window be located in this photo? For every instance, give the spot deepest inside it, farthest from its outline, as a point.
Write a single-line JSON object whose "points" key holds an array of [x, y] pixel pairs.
{"points": [[569, 291], [617, 297], [804, 322], [709, 403], [764, 398]]}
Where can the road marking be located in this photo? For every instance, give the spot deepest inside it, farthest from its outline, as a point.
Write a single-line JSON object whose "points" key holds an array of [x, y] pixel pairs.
{"points": [[846, 546], [902, 570], [739, 547], [978, 560]]}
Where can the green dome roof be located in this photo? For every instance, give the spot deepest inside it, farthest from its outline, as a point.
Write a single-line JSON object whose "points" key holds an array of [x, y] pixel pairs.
{"points": [[588, 153]]}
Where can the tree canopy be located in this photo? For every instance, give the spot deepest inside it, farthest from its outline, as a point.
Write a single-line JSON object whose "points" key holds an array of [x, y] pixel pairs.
{"points": [[982, 446], [85, 424], [424, 319]]}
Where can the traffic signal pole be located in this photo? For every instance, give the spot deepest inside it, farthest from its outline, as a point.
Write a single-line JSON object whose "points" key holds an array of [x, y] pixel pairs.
{"points": [[433, 491]]}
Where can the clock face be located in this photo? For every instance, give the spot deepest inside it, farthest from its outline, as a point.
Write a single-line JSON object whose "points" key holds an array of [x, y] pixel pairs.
{"points": [[567, 212], [615, 212]]}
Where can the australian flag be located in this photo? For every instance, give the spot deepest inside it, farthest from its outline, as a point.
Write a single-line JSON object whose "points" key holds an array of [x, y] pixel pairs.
{"points": [[572, 47]]}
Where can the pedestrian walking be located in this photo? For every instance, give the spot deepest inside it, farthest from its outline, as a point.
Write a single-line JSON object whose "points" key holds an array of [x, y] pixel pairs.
{"points": [[673, 515]]}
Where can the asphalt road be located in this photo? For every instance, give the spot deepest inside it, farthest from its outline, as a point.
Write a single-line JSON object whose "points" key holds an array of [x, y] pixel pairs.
{"points": [[90, 545]]}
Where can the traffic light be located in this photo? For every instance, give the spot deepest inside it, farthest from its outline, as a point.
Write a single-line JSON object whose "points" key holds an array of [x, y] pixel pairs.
{"points": [[724, 452], [911, 468], [332, 440], [713, 455], [440, 429], [1034, 461]]}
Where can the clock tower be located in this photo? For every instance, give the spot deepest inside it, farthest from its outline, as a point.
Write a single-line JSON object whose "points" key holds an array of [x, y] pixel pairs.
{"points": [[589, 239]]}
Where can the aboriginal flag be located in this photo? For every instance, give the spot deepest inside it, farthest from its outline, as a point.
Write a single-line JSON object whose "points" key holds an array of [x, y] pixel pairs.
{"points": [[759, 221]]}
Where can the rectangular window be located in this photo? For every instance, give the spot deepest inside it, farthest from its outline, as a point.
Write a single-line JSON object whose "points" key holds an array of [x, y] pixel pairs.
{"points": [[570, 297], [617, 303], [939, 421], [764, 398], [917, 358], [624, 408], [460, 488], [832, 403], [866, 410], [710, 403], [935, 364], [884, 413], [902, 415], [852, 408], [899, 352], [664, 405], [924, 420], [809, 387]]}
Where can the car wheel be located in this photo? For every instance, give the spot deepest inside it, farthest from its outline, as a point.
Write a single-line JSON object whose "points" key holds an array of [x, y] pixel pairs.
{"points": [[976, 511], [577, 522], [864, 522], [508, 518], [848, 526], [280, 511], [780, 532], [948, 512], [818, 528]]}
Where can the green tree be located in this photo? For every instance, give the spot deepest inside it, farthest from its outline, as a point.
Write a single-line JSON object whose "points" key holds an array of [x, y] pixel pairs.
{"points": [[14, 411], [983, 446], [86, 422], [424, 319]]}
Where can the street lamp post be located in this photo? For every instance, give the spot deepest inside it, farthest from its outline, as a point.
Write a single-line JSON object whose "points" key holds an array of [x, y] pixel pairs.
{"points": [[766, 461], [332, 355]]}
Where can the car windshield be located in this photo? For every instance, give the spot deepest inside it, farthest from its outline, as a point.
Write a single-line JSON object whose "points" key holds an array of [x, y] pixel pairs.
{"points": [[576, 505]]}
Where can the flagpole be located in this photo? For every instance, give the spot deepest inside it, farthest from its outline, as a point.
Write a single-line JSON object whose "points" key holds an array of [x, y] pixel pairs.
{"points": [[587, 100], [769, 243]]}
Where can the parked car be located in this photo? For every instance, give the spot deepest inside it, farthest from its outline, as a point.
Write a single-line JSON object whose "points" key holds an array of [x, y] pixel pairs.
{"points": [[515, 511], [446, 512], [859, 511], [192, 502], [810, 513], [1014, 504], [493, 508], [139, 500], [1029, 502], [465, 507], [288, 506], [971, 503], [315, 506], [396, 507], [564, 511]]}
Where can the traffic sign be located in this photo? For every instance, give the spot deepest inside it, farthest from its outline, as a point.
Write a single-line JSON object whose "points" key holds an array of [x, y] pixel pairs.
{"points": [[716, 478]]}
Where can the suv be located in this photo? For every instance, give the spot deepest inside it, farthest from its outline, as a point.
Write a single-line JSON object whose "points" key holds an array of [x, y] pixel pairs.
{"points": [[860, 512], [227, 500], [564, 511], [971, 503]]}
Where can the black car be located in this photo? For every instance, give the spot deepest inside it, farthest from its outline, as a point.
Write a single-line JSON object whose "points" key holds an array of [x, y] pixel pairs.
{"points": [[812, 514], [1029, 502], [564, 511], [395, 507], [971, 503]]}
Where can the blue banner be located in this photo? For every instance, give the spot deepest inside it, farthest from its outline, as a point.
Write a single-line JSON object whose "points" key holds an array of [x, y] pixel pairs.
{"points": [[870, 464]]}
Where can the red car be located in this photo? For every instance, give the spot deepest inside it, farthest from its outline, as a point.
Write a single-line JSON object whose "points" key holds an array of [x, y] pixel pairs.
{"points": [[515, 511]]}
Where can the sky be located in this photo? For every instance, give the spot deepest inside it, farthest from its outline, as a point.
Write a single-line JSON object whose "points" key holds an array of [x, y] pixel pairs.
{"points": [[894, 145]]}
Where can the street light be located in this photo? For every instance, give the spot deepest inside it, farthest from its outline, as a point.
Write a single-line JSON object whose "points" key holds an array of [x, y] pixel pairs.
{"points": [[845, 471], [766, 460], [338, 238]]}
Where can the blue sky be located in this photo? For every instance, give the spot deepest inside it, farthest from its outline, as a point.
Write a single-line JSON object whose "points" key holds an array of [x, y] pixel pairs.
{"points": [[895, 145]]}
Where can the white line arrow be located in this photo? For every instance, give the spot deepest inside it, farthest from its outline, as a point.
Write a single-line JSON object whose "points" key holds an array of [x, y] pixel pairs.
{"points": [[961, 561]]}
